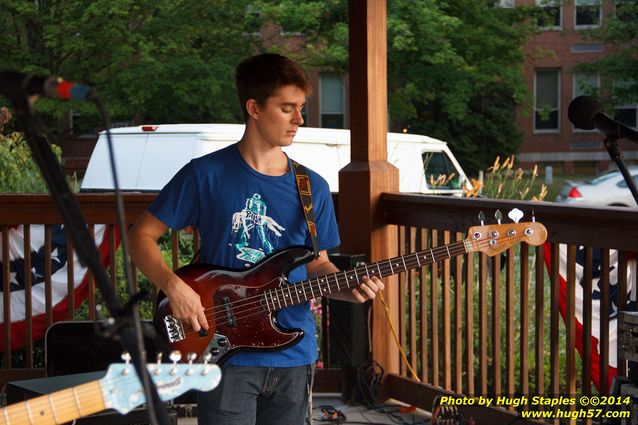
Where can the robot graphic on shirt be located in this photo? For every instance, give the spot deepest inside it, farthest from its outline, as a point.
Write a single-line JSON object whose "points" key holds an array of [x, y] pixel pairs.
{"points": [[252, 222]]}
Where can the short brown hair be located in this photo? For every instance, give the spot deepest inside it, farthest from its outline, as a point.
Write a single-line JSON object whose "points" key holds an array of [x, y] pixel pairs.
{"points": [[259, 76]]}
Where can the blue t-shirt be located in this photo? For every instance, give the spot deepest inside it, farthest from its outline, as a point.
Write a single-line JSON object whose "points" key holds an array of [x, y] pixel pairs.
{"points": [[242, 216]]}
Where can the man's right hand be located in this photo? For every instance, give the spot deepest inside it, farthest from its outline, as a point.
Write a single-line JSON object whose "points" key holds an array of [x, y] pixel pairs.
{"points": [[186, 304]]}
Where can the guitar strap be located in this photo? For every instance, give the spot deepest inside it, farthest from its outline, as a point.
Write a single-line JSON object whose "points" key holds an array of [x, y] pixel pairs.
{"points": [[305, 195]]}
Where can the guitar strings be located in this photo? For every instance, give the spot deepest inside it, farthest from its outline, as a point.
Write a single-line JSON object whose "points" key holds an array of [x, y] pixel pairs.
{"points": [[256, 306], [255, 309], [339, 282], [340, 275]]}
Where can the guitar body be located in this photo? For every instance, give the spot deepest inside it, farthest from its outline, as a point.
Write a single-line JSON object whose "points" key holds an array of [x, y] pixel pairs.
{"points": [[239, 316]]}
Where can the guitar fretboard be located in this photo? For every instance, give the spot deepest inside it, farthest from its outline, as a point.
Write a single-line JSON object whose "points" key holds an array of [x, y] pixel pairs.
{"points": [[288, 295]]}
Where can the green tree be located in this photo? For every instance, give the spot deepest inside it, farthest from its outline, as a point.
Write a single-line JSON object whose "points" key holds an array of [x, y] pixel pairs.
{"points": [[454, 67], [619, 67], [19, 173], [155, 60]]}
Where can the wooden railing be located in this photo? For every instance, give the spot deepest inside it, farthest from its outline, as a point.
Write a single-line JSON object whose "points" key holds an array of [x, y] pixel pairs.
{"points": [[465, 328], [475, 325]]}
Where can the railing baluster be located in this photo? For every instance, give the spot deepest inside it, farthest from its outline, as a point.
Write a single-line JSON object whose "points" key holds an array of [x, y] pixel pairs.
{"points": [[113, 257], [48, 287], [483, 326], [496, 324], [510, 367], [422, 245], [458, 319], [524, 317], [447, 322], [412, 279], [539, 311], [622, 299], [91, 282], [570, 325], [403, 326], [28, 299], [6, 297], [434, 311], [603, 284], [70, 275], [554, 322], [469, 322], [587, 316]]}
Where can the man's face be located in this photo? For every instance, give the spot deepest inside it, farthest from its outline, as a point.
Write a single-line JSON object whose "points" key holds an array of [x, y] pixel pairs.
{"points": [[278, 120]]}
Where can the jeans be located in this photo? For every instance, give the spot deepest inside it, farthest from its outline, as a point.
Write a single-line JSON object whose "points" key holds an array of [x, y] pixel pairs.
{"points": [[251, 395]]}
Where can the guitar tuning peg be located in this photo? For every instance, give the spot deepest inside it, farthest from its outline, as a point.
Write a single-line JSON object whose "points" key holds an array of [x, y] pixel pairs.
{"points": [[499, 216], [158, 368], [515, 215], [191, 358], [126, 356], [207, 358], [175, 356], [481, 217]]}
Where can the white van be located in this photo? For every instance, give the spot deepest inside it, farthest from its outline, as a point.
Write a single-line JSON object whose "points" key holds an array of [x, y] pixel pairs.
{"points": [[148, 156]]}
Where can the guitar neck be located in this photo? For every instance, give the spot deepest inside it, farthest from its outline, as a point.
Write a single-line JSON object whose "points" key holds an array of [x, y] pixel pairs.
{"points": [[307, 290], [56, 408]]}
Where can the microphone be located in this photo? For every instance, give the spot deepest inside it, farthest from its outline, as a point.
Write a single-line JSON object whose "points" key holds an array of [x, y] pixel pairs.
{"points": [[14, 83], [587, 113]]}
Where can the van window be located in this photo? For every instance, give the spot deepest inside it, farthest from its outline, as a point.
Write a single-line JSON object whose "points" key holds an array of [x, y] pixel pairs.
{"points": [[439, 171]]}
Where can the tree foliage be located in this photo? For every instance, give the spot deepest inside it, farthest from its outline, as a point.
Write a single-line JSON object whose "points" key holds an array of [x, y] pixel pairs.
{"points": [[454, 67], [619, 67], [19, 173], [155, 60]]}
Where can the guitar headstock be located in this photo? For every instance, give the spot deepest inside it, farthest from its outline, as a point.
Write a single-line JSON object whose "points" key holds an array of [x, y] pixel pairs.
{"points": [[123, 391], [496, 238]]}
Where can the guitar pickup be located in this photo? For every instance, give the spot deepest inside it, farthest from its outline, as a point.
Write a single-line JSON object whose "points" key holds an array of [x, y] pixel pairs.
{"points": [[230, 316], [174, 329]]}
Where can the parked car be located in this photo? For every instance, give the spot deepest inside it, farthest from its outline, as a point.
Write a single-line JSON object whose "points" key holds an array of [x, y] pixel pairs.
{"points": [[605, 189]]}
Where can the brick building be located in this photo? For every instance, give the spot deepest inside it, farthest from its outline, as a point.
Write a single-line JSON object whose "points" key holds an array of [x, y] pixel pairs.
{"points": [[549, 138]]}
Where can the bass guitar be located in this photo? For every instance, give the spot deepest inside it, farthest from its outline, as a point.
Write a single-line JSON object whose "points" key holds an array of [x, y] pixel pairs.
{"points": [[120, 389], [240, 304]]}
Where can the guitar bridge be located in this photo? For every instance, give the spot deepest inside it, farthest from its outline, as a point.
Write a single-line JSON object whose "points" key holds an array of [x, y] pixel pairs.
{"points": [[174, 329]]}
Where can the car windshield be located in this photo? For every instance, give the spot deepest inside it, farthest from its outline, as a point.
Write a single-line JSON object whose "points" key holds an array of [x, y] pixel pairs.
{"points": [[602, 177]]}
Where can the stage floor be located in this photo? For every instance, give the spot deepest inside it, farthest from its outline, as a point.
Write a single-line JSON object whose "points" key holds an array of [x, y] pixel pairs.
{"points": [[325, 404]]}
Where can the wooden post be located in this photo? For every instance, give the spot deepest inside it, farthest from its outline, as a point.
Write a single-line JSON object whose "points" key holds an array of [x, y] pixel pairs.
{"points": [[369, 174]]}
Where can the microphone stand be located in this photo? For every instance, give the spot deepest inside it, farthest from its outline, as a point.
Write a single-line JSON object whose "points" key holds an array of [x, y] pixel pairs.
{"points": [[127, 322], [611, 144]]}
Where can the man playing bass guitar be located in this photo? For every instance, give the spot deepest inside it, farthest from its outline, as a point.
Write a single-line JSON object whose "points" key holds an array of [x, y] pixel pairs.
{"points": [[245, 203]]}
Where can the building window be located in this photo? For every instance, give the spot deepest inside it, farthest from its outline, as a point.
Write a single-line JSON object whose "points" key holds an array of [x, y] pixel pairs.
{"points": [[627, 112], [551, 14], [587, 48], [585, 84], [587, 14], [331, 100], [546, 101], [506, 4]]}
